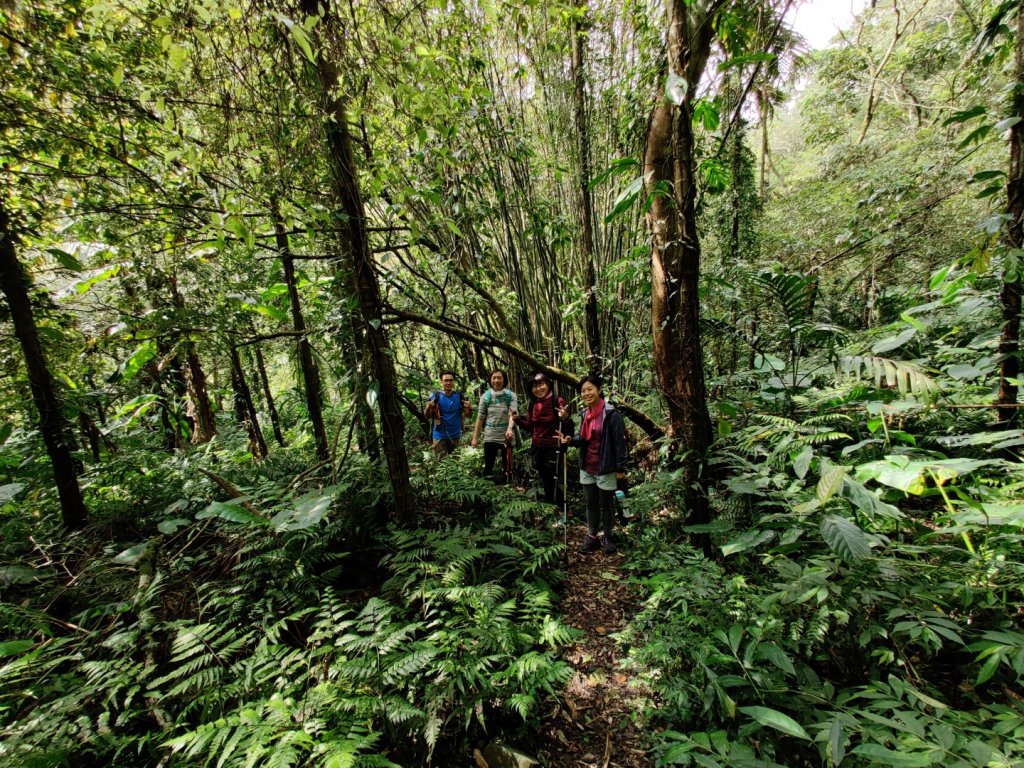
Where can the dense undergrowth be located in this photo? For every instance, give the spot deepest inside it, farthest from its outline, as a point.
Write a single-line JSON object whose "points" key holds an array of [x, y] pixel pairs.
{"points": [[281, 628], [867, 605], [864, 608]]}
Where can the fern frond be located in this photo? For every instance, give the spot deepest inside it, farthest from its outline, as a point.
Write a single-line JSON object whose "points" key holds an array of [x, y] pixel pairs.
{"points": [[907, 377]]}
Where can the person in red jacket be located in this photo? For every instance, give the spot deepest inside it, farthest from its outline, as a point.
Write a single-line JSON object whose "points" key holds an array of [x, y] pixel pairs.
{"points": [[542, 419]]}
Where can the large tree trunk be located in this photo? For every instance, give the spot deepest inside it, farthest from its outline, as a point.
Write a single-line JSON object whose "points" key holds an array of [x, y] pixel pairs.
{"points": [[310, 375], [595, 361], [1010, 296], [14, 284], [355, 245], [675, 256]]}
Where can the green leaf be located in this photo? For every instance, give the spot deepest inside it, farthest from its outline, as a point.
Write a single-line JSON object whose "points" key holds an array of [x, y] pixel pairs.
{"points": [[777, 720], [746, 541], [776, 656], [170, 526], [802, 461], [130, 368], [830, 482], [232, 512], [879, 755], [131, 555], [6, 429], [869, 503], [845, 538], [893, 342], [65, 259], [706, 113], [14, 647], [300, 36], [836, 742], [965, 115], [626, 198], [9, 491]]}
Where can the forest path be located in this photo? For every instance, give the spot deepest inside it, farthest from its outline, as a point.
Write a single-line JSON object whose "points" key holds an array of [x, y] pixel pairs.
{"points": [[594, 726]]}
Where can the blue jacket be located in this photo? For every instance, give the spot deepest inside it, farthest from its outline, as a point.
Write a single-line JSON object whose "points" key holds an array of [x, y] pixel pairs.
{"points": [[613, 441]]}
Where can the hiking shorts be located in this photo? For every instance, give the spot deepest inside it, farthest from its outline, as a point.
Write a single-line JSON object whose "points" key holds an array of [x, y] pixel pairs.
{"points": [[605, 482]]}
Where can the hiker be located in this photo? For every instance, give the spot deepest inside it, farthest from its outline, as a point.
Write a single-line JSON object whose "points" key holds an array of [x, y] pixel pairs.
{"points": [[543, 421], [496, 417], [602, 442], [447, 409]]}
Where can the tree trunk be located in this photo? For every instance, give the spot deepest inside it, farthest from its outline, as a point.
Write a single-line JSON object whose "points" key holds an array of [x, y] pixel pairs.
{"points": [[354, 243], [204, 424], [595, 361], [1010, 295], [245, 408], [675, 256], [14, 284], [275, 420], [310, 375]]}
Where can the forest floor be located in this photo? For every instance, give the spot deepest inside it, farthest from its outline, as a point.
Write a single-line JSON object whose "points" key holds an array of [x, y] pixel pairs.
{"points": [[596, 722]]}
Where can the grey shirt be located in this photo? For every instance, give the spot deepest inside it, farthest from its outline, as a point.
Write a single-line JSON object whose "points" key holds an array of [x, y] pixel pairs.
{"points": [[495, 415]]}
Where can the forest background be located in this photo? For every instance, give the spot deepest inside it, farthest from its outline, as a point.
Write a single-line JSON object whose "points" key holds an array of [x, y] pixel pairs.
{"points": [[240, 241]]}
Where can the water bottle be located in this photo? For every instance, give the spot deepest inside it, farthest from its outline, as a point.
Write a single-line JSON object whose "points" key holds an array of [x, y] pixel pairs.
{"points": [[622, 502]]}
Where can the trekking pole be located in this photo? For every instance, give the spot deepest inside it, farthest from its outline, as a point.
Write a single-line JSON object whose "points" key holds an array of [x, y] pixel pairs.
{"points": [[508, 463], [565, 499]]}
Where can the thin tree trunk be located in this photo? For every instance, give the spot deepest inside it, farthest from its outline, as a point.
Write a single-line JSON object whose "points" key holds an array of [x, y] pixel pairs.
{"points": [[310, 375], [14, 284], [245, 408], [355, 246], [204, 424], [275, 420], [1010, 295], [595, 360]]}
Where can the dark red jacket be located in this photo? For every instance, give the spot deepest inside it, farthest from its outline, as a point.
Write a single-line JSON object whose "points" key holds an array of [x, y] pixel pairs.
{"points": [[542, 421]]}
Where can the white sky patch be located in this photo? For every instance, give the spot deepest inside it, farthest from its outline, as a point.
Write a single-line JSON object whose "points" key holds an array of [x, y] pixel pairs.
{"points": [[818, 21]]}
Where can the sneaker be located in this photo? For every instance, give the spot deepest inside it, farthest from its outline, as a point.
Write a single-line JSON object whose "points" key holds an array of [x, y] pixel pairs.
{"points": [[608, 545], [590, 544]]}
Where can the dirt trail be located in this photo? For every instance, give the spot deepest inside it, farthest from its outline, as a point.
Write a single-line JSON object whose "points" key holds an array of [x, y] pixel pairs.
{"points": [[594, 726]]}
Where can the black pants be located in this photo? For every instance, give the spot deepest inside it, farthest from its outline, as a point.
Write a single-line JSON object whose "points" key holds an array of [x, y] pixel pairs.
{"points": [[546, 462], [600, 509], [491, 452]]}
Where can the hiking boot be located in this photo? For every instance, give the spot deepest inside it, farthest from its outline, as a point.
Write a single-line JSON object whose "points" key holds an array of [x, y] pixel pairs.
{"points": [[608, 544], [590, 544]]}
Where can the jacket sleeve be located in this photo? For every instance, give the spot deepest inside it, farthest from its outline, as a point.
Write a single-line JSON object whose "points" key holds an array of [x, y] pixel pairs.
{"points": [[618, 434]]}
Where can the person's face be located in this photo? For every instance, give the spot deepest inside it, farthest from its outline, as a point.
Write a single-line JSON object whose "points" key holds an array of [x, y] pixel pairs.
{"points": [[448, 383], [540, 389], [589, 393], [497, 380]]}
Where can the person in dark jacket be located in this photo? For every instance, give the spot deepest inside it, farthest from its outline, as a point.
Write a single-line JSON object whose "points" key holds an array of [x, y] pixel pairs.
{"points": [[602, 442], [544, 423]]}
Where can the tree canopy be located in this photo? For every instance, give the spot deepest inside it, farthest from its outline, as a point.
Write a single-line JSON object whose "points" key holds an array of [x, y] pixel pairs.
{"points": [[239, 242]]}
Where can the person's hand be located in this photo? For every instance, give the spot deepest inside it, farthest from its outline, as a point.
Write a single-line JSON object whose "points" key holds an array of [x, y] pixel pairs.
{"points": [[620, 475], [563, 439], [472, 443], [563, 413], [508, 435]]}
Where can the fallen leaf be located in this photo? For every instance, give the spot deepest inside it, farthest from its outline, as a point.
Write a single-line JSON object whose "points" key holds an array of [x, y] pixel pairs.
{"points": [[621, 679]]}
